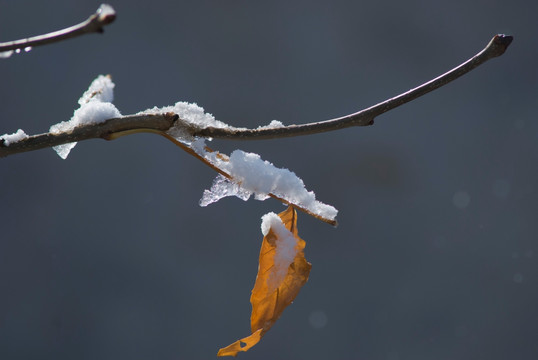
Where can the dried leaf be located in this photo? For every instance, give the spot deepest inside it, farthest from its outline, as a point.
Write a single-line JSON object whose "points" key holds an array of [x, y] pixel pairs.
{"points": [[282, 271], [241, 345]]}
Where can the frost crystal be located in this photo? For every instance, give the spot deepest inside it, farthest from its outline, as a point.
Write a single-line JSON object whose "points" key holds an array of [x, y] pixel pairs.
{"points": [[64, 149], [95, 107], [222, 187], [13, 138]]}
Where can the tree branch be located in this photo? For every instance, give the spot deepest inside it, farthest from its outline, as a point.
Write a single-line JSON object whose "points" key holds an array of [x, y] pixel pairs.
{"points": [[94, 24], [108, 130], [496, 47], [113, 128]]}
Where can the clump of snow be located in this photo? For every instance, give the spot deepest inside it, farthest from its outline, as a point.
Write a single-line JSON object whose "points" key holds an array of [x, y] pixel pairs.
{"points": [[261, 178], [274, 124], [94, 112], [191, 115], [286, 247], [101, 89], [95, 107], [6, 54], [13, 138], [222, 187]]}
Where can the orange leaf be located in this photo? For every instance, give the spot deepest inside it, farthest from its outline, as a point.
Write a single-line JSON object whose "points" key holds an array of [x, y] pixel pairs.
{"points": [[282, 271], [249, 341]]}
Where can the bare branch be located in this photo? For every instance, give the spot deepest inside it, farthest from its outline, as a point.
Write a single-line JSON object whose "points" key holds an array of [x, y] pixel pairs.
{"points": [[94, 24], [496, 47], [108, 130]]}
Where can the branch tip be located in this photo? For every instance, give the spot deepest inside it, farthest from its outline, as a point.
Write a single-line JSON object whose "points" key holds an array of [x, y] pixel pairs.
{"points": [[496, 47], [106, 14], [500, 43], [504, 39]]}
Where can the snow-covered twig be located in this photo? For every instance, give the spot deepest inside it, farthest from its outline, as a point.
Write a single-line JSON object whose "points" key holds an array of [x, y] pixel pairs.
{"points": [[94, 24], [113, 128], [496, 47], [108, 130], [320, 211]]}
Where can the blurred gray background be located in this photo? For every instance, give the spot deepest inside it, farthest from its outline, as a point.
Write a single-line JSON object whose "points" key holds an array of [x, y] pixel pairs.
{"points": [[107, 255]]}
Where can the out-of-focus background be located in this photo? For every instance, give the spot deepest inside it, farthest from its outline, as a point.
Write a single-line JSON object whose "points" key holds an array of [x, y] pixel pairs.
{"points": [[107, 255]]}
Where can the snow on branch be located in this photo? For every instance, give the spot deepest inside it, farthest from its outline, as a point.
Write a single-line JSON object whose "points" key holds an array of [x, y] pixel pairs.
{"points": [[94, 24], [247, 174], [187, 125], [244, 174], [153, 121], [17, 136], [108, 130]]}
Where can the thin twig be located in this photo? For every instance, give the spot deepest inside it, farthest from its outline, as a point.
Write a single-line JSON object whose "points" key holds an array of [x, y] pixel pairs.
{"points": [[496, 47], [94, 24], [225, 157], [108, 130]]}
